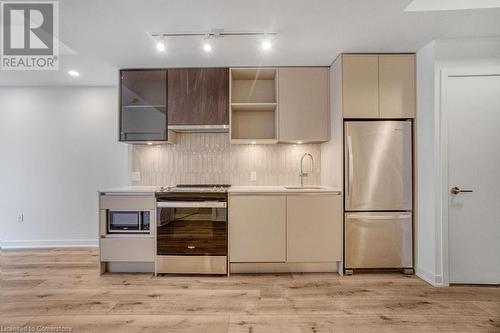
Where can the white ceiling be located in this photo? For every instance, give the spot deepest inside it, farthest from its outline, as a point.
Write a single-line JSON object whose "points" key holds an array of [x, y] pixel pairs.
{"points": [[427, 5], [100, 37]]}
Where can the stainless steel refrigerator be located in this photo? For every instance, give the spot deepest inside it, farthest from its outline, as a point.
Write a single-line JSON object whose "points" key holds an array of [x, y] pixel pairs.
{"points": [[378, 194]]}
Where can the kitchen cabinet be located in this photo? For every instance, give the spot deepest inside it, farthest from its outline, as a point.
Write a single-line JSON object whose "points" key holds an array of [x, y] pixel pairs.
{"points": [[143, 105], [198, 96], [128, 249], [397, 85], [314, 228], [378, 86], [254, 107], [360, 86], [257, 228], [292, 230], [303, 104]]}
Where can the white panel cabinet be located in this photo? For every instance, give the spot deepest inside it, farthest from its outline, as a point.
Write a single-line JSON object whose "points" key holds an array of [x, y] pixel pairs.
{"points": [[303, 104], [257, 227], [314, 228]]}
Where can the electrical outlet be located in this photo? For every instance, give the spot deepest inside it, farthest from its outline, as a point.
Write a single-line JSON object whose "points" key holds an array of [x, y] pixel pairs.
{"points": [[135, 176], [253, 176], [20, 217]]}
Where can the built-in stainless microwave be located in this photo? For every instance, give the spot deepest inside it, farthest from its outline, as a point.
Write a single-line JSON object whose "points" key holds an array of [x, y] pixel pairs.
{"points": [[128, 222]]}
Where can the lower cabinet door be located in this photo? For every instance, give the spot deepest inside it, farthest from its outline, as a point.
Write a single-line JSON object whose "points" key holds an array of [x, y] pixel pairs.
{"points": [[257, 228], [314, 228]]}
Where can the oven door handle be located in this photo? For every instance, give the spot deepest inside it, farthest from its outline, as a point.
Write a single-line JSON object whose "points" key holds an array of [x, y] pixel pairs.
{"points": [[191, 204]]}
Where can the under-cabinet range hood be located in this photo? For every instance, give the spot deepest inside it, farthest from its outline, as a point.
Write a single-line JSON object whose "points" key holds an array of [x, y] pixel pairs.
{"points": [[199, 128]]}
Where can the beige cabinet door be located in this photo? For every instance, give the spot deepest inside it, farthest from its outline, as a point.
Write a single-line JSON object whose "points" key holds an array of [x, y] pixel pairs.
{"points": [[397, 85], [314, 228], [257, 228], [360, 86], [303, 104]]}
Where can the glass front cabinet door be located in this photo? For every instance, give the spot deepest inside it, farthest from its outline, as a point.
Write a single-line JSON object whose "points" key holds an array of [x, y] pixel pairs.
{"points": [[143, 106]]}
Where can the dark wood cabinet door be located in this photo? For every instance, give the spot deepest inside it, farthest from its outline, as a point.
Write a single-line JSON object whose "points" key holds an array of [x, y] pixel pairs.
{"points": [[143, 109], [198, 96]]}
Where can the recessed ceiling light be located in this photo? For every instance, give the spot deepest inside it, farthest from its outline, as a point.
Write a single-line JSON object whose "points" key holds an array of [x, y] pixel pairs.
{"points": [[150, 143], [266, 45], [207, 47], [160, 45], [299, 142], [73, 73], [254, 142]]}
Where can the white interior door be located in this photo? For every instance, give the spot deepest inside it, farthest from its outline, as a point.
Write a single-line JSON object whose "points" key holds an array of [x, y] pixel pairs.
{"points": [[472, 106]]}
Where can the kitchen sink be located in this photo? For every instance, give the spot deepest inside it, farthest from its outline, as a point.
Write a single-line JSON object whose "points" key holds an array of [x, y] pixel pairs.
{"points": [[305, 187]]}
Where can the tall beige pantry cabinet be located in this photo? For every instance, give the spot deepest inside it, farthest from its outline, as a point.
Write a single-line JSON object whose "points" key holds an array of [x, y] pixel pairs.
{"points": [[303, 101], [378, 86]]}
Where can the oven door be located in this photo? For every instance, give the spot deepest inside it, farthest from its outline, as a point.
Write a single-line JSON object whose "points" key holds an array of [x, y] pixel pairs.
{"points": [[192, 228]]}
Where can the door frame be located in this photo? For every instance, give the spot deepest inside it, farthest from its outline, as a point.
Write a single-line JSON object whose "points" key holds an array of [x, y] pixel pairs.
{"points": [[442, 120]]}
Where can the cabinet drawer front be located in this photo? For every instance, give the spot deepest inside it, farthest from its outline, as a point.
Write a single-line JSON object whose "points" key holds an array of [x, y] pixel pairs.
{"points": [[127, 249], [128, 202]]}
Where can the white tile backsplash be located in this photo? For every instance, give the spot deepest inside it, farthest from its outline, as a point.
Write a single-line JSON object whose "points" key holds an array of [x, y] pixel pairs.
{"points": [[209, 158]]}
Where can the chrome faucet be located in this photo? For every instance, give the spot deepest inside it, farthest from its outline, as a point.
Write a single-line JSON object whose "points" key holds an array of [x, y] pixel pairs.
{"points": [[302, 173]]}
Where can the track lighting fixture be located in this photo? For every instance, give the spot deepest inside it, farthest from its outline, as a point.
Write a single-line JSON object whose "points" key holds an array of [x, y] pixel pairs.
{"points": [[266, 44]]}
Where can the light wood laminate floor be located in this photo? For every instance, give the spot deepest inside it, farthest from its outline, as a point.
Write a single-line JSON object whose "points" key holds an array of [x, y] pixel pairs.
{"points": [[62, 288]]}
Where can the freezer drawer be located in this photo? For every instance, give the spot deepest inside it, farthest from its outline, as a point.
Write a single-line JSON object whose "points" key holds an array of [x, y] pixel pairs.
{"points": [[378, 240]]}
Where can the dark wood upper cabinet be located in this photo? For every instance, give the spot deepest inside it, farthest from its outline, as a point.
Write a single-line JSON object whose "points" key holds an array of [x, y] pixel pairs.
{"points": [[143, 105], [198, 96]]}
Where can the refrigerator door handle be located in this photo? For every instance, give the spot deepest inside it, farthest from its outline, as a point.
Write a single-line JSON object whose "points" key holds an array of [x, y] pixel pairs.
{"points": [[349, 167], [379, 217]]}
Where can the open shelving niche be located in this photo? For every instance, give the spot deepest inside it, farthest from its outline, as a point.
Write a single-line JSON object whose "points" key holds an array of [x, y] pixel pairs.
{"points": [[254, 107]]}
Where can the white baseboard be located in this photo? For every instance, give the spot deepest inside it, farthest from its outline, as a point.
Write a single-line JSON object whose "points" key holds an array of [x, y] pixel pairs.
{"points": [[47, 243], [432, 279]]}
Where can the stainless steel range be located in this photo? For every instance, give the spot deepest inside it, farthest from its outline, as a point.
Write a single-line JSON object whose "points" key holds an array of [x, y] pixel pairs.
{"points": [[192, 229]]}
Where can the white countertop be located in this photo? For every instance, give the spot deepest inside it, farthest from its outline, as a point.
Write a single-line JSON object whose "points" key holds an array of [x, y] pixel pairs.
{"points": [[281, 189], [233, 189], [132, 189]]}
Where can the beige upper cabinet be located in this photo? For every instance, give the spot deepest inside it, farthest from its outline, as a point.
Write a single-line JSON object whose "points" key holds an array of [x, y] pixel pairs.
{"points": [[360, 91], [397, 85], [257, 228], [303, 104], [314, 228], [378, 86]]}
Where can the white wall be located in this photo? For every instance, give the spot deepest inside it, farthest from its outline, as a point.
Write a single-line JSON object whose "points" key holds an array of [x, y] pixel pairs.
{"points": [[425, 226], [431, 60], [58, 147]]}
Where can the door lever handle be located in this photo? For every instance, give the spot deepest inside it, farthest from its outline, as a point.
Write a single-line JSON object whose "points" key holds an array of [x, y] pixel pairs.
{"points": [[457, 190]]}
